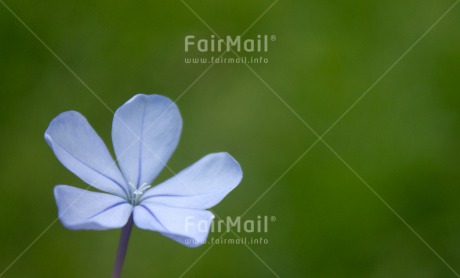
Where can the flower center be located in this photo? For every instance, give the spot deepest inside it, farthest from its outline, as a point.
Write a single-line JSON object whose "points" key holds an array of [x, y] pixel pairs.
{"points": [[136, 192]]}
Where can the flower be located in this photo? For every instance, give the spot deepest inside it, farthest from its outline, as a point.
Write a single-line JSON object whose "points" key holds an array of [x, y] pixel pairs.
{"points": [[145, 132]]}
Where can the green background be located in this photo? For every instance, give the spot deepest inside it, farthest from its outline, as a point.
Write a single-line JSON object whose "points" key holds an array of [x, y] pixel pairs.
{"points": [[403, 138]]}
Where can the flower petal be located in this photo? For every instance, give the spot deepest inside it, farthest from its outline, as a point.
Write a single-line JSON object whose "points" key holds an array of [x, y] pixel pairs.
{"points": [[145, 132], [82, 151], [189, 227], [86, 210], [200, 186]]}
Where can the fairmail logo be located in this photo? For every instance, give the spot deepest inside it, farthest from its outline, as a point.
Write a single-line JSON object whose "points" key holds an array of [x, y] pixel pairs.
{"points": [[258, 225], [212, 44]]}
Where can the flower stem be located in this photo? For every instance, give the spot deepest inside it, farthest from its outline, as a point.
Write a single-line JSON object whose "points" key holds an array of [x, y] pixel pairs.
{"points": [[122, 248]]}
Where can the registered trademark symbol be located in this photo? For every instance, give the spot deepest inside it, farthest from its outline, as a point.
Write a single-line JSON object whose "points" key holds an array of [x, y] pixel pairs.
{"points": [[273, 218], [273, 38]]}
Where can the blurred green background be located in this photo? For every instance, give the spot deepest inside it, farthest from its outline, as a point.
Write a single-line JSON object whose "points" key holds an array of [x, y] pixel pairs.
{"points": [[403, 138]]}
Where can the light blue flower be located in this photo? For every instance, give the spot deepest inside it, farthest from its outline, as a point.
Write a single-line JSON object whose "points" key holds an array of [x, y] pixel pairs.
{"points": [[145, 132]]}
